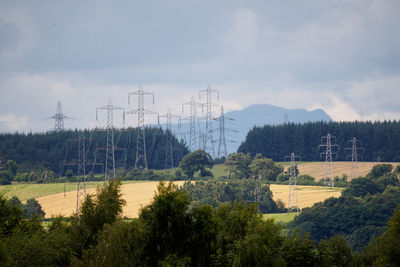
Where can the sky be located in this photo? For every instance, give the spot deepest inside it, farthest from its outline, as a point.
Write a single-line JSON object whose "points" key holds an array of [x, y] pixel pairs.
{"points": [[339, 55]]}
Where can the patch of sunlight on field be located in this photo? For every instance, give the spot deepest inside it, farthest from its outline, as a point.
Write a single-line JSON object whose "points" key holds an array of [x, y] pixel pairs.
{"points": [[307, 195], [281, 217], [219, 170], [136, 195], [317, 169]]}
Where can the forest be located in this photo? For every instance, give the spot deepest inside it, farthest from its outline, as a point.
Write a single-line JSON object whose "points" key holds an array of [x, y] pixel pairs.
{"points": [[58, 151], [170, 231], [377, 141]]}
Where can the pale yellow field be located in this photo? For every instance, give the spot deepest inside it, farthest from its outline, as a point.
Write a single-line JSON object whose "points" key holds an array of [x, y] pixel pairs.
{"points": [[141, 193], [136, 195], [306, 195], [317, 169]]}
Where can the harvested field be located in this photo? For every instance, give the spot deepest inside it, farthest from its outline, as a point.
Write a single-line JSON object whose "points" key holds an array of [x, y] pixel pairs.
{"points": [[136, 194], [317, 169], [141, 193], [307, 195]]}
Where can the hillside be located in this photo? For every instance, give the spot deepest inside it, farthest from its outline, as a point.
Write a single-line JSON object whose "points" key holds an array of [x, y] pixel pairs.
{"points": [[317, 169], [376, 141], [258, 115]]}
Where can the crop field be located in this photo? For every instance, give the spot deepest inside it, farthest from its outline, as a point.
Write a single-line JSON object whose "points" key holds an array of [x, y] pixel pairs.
{"points": [[141, 193], [307, 195], [136, 195], [317, 169]]}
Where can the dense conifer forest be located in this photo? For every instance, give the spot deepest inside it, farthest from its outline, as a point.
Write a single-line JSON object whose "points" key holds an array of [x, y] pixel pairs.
{"points": [[380, 140], [55, 150]]}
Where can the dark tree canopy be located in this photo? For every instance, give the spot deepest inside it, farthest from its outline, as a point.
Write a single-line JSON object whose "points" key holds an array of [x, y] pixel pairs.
{"points": [[195, 161], [380, 140]]}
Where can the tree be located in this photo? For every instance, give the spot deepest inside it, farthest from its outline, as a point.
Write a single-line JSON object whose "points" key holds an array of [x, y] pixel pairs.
{"points": [[12, 167], [335, 252], [14, 201], [380, 170], [263, 168], [69, 174], [195, 161], [238, 165], [32, 208], [5, 177]]}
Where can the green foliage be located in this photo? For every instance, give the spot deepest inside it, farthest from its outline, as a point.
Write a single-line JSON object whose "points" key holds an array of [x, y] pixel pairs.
{"points": [[360, 214], [45, 151], [278, 141], [5, 178], [32, 208], [10, 216], [216, 193], [238, 165], [264, 168], [69, 173], [95, 212], [380, 170], [195, 161], [335, 252]]}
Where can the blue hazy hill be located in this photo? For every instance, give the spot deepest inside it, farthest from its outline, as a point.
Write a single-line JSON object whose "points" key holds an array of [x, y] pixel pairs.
{"points": [[256, 115]]}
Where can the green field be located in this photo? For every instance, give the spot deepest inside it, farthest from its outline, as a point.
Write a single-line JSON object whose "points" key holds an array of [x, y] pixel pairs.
{"points": [[281, 217], [27, 191]]}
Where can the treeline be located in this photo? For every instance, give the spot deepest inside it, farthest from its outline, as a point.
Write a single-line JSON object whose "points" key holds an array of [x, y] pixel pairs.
{"points": [[216, 193], [359, 214], [58, 151], [380, 140], [169, 232]]}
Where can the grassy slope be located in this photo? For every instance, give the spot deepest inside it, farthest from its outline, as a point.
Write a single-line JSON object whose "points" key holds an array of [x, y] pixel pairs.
{"points": [[281, 217], [27, 191]]}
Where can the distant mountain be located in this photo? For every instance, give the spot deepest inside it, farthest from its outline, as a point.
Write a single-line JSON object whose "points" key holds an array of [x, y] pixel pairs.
{"points": [[258, 115]]}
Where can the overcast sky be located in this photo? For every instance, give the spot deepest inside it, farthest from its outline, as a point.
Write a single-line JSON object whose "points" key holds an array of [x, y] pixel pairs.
{"points": [[339, 55]]}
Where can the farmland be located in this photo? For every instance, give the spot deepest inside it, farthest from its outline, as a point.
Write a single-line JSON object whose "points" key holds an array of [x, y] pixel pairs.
{"points": [[317, 169], [138, 194]]}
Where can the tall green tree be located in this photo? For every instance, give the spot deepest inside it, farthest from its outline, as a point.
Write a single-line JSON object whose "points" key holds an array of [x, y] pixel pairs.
{"points": [[195, 161]]}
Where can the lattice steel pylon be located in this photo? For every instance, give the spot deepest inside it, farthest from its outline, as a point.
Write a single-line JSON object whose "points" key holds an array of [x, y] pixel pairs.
{"points": [[81, 186], [59, 118], [208, 145], [169, 152], [355, 147], [109, 166], [222, 130], [192, 121], [141, 157], [328, 171], [292, 183]]}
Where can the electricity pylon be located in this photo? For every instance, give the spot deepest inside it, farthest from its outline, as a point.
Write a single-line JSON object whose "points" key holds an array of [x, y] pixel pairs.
{"points": [[109, 167], [355, 147], [328, 173], [222, 129], [59, 118], [208, 145], [141, 157], [192, 120], [169, 152], [81, 186], [293, 183]]}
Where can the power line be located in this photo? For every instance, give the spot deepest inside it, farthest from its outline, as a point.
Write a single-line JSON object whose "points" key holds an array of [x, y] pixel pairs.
{"points": [[109, 168], [169, 158], [208, 139], [141, 157], [222, 129], [293, 183], [328, 173], [192, 119], [59, 118], [355, 147]]}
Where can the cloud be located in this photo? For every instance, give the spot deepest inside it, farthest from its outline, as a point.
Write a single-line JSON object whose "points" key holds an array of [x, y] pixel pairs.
{"points": [[10, 121]]}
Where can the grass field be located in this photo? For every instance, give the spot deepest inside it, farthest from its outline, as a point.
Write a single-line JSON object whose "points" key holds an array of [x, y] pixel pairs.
{"points": [[281, 217], [27, 191]]}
